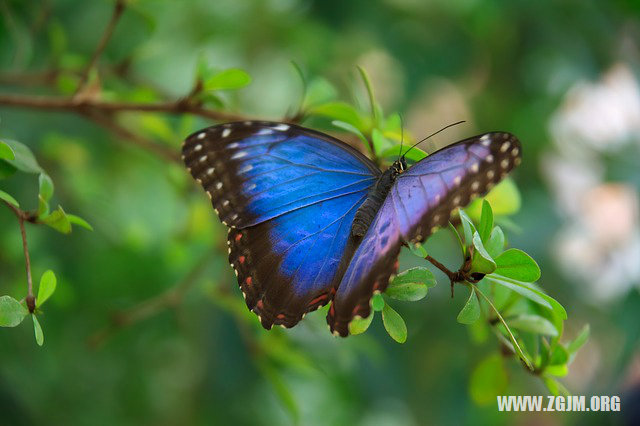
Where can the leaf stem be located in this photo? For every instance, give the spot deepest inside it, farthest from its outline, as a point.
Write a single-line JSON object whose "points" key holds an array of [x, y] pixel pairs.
{"points": [[22, 216]]}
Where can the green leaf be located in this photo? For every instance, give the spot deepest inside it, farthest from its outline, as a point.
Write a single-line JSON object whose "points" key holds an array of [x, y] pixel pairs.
{"points": [[415, 155], [24, 159], [394, 324], [372, 101], [504, 199], [6, 169], [457, 234], [351, 129], [418, 250], [486, 221], [12, 312], [471, 310], [46, 186], [8, 198], [530, 292], [411, 285], [360, 325], [557, 370], [233, 78], [518, 265], [58, 220], [43, 208], [579, 341], [377, 302], [6, 153], [555, 387], [534, 324], [339, 111], [37, 330], [467, 226], [482, 261], [488, 380], [380, 143], [319, 91], [77, 220], [47, 287], [495, 245]]}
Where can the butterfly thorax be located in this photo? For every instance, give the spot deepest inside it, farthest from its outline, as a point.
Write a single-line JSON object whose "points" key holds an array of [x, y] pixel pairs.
{"points": [[367, 211]]}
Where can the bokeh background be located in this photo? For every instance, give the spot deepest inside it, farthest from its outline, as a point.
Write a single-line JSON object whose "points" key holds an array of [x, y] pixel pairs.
{"points": [[561, 75]]}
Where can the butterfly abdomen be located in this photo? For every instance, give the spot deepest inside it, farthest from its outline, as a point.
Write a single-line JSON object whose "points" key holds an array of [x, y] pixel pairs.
{"points": [[375, 198]]}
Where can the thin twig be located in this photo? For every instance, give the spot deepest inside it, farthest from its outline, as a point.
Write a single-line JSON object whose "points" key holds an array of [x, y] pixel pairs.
{"points": [[102, 44], [172, 297], [22, 216]]}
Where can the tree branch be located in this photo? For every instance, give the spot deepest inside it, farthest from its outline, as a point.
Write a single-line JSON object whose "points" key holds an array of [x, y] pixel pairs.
{"points": [[102, 44]]}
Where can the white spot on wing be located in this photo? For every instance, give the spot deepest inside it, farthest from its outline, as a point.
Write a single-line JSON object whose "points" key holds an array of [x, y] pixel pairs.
{"points": [[485, 140], [489, 158], [282, 127], [226, 132], [239, 154], [246, 168], [201, 135], [251, 186], [505, 146], [233, 145], [218, 185], [203, 158], [504, 163], [197, 147], [210, 171]]}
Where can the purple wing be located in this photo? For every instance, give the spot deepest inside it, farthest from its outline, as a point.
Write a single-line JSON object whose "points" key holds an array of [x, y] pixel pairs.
{"points": [[421, 200]]}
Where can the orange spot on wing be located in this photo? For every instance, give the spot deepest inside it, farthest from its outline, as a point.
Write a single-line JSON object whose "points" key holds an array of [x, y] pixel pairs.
{"points": [[238, 237], [248, 281], [241, 259]]}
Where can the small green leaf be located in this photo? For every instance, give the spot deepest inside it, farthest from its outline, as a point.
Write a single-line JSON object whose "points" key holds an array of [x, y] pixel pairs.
{"points": [[6, 153], [415, 155], [495, 245], [37, 330], [46, 186], [233, 78], [372, 101], [411, 285], [380, 143], [486, 221], [58, 220], [24, 160], [319, 91], [467, 226], [43, 208], [488, 380], [77, 220], [557, 370], [12, 312], [555, 387], [9, 199], [418, 250], [482, 261], [394, 324], [518, 265], [471, 310], [377, 302], [457, 234], [579, 341], [529, 291], [351, 129], [360, 325], [534, 324], [559, 355], [47, 287], [340, 111]]}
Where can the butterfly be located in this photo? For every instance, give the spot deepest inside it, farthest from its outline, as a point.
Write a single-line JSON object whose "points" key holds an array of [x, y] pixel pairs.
{"points": [[314, 221]]}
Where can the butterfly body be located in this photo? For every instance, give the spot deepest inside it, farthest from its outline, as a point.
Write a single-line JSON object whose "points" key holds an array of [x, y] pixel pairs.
{"points": [[313, 221]]}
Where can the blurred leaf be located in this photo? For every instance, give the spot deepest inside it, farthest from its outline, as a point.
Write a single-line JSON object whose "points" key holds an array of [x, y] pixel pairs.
{"points": [[486, 222], [351, 129], [67, 83], [516, 264], [8, 198], [467, 226], [380, 143], [488, 380], [57, 38], [377, 302], [555, 387], [24, 159], [418, 250], [504, 199], [360, 325], [559, 355], [58, 220], [158, 127], [534, 324], [574, 345], [482, 261], [47, 287], [411, 285], [281, 388], [339, 111], [394, 324], [557, 370], [458, 238], [372, 100], [43, 208], [12, 312], [37, 330], [77, 220], [471, 310], [495, 245], [319, 91], [233, 78], [45, 186], [6, 169], [530, 292], [415, 155], [6, 153]]}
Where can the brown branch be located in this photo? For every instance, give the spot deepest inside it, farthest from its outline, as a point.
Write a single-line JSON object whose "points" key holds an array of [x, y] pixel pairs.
{"points": [[102, 44], [22, 216], [181, 106], [171, 298]]}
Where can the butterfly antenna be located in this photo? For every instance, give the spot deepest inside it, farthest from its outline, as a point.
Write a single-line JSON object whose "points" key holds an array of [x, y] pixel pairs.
{"points": [[433, 134], [401, 135]]}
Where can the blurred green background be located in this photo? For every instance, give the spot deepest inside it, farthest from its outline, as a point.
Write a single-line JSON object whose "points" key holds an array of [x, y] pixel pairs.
{"points": [[561, 75]]}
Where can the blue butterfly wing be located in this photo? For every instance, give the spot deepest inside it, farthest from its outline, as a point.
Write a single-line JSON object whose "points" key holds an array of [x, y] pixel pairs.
{"points": [[289, 195], [421, 200]]}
